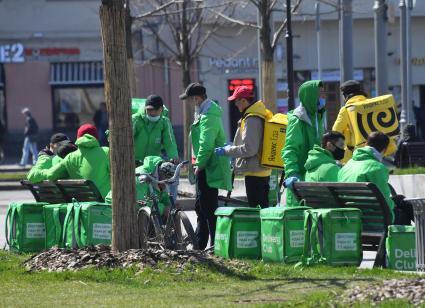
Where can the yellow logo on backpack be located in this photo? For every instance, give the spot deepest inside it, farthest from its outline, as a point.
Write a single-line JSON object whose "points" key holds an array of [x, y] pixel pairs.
{"points": [[273, 137], [274, 141], [374, 114]]}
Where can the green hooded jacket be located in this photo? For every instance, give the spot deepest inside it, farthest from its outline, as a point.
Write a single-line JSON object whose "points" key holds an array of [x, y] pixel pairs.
{"points": [[321, 166], [44, 162], [90, 162], [149, 166], [207, 133], [305, 129], [151, 137], [365, 167]]}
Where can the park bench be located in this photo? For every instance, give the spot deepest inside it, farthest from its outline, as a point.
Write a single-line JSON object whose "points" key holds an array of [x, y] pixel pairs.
{"points": [[64, 191], [365, 196], [411, 154]]}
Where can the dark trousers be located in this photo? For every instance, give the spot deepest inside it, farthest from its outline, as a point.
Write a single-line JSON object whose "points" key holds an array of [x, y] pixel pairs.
{"points": [[257, 190], [206, 204], [403, 211]]}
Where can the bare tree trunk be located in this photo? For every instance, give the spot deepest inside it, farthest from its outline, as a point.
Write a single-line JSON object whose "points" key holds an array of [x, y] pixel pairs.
{"points": [[129, 47], [185, 62], [117, 95], [269, 84]]}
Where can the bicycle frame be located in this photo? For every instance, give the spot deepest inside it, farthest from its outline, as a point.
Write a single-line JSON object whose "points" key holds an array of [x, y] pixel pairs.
{"points": [[150, 180]]}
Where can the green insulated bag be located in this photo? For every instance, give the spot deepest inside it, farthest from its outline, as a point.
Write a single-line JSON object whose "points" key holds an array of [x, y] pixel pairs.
{"points": [[332, 236], [54, 219], [282, 234], [237, 234], [87, 224], [401, 248], [24, 226]]}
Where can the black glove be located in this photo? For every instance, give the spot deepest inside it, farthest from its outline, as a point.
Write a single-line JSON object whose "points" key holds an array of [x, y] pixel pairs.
{"points": [[45, 151]]}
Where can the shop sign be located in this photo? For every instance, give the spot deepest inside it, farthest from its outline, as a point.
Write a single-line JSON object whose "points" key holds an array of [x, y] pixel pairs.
{"points": [[234, 64], [12, 53]]}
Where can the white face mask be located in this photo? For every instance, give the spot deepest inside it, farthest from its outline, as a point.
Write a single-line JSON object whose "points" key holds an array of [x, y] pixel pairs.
{"points": [[153, 119]]}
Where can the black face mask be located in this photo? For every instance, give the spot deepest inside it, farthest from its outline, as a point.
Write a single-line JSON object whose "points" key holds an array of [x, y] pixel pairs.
{"points": [[338, 153]]}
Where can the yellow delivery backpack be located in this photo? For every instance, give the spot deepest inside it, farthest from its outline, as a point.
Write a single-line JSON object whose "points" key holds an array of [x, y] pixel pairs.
{"points": [[274, 140], [374, 114]]}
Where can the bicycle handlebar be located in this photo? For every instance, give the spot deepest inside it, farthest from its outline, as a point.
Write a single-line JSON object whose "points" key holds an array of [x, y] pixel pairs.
{"points": [[143, 176]]}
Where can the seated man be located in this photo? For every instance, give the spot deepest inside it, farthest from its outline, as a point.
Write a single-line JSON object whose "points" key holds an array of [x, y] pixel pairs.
{"points": [[366, 166], [47, 158], [90, 161], [321, 165], [160, 169]]}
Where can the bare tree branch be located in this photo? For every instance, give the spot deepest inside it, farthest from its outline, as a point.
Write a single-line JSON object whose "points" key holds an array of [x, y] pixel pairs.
{"points": [[176, 12], [279, 31], [235, 21], [158, 9]]}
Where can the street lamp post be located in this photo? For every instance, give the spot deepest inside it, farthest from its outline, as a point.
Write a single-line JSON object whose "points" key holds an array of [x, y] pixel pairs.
{"points": [[403, 63], [289, 57]]}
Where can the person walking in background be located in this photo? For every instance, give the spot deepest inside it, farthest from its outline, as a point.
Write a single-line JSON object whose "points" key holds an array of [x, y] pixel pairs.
{"points": [[100, 120], [30, 141]]}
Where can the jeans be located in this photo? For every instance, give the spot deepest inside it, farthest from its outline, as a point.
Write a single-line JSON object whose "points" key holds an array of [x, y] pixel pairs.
{"points": [[205, 206], [29, 146], [257, 190]]}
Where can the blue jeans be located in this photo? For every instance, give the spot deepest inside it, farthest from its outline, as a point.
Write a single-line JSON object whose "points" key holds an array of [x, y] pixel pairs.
{"points": [[29, 146]]}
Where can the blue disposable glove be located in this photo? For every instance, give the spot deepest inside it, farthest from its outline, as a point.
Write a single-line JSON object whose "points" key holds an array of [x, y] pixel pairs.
{"points": [[221, 151], [289, 182]]}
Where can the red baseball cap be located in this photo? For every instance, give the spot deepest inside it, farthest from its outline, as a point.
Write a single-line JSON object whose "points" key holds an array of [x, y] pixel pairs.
{"points": [[87, 129], [241, 92]]}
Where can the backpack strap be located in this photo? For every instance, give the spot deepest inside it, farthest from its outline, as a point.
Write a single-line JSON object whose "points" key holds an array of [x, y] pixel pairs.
{"points": [[57, 223], [11, 210], [77, 224], [68, 222]]}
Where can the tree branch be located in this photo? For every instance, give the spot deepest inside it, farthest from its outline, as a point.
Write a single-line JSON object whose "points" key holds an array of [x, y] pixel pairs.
{"points": [[158, 9], [279, 31], [235, 21]]}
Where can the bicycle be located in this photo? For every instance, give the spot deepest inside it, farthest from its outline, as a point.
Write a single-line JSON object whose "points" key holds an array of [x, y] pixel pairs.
{"points": [[177, 233]]}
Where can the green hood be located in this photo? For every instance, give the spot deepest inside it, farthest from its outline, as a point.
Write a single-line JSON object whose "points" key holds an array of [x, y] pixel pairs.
{"points": [[87, 141], [214, 110], [309, 95], [364, 153], [318, 156], [149, 164]]}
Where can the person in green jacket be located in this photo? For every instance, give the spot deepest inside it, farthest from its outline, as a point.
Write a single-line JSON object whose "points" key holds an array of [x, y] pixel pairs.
{"points": [[212, 172], [366, 166], [90, 161], [158, 168], [304, 130], [321, 164], [152, 131], [47, 157]]}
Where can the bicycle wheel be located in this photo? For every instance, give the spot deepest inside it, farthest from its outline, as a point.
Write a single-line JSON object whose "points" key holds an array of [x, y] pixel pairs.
{"points": [[149, 228], [182, 232]]}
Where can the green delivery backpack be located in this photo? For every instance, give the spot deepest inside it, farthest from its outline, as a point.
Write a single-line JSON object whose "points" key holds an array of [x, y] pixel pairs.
{"points": [[54, 219], [282, 233], [87, 224], [237, 233], [24, 226], [401, 248], [332, 236]]}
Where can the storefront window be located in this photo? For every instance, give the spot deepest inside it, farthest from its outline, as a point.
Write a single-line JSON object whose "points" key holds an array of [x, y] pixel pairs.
{"points": [[75, 106]]}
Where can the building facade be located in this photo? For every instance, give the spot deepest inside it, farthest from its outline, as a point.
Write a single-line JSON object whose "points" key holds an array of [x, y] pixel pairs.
{"points": [[51, 61]]}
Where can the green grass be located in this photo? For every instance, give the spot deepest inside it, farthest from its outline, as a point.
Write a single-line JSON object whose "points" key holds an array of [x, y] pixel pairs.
{"points": [[12, 176], [416, 170], [256, 284]]}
